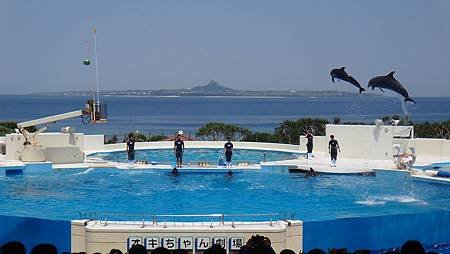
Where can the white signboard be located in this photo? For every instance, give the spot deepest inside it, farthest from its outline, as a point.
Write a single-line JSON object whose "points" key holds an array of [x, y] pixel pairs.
{"points": [[185, 243], [202, 243], [236, 243], [169, 243], [152, 242], [134, 240]]}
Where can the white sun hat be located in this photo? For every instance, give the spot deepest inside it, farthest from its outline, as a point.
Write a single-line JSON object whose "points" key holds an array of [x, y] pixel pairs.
{"points": [[180, 132]]}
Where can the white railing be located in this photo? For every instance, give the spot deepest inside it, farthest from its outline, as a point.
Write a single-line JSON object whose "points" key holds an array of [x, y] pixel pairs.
{"points": [[168, 220]]}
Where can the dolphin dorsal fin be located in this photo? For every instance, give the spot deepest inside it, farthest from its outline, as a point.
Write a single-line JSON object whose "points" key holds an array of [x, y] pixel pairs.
{"points": [[342, 68], [391, 73]]}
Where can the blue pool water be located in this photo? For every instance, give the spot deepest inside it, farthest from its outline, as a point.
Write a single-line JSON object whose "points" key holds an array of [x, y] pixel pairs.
{"points": [[196, 155], [63, 194]]}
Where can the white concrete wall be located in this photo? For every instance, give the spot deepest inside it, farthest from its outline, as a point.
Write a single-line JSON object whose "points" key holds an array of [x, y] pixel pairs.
{"points": [[64, 154], [14, 145], [93, 142], [404, 131], [446, 149], [429, 146], [363, 141], [95, 237]]}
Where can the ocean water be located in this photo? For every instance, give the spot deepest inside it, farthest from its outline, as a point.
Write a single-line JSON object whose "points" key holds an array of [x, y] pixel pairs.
{"points": [[156, 115]]}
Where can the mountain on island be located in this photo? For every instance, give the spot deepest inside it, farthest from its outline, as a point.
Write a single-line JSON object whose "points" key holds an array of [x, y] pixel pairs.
{"points": [[213, 88]]}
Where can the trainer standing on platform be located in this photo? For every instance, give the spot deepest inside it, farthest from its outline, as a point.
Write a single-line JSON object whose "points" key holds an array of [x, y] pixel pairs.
{"points": [[178, 148], [309, 145], [130, 148], [333, 147], [228, 147]]}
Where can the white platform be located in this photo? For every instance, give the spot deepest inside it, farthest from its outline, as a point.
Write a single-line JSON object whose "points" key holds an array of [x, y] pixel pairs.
{"points": [[321, 163]]}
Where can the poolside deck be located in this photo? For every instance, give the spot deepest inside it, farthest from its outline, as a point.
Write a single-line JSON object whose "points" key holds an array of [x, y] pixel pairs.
{"points": [[321, 163]]}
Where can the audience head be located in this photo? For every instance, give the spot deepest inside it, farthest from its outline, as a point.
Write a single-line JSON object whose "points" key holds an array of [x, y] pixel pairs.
{"points": [[215, 249], [44, 248], [160, 250], [13, 247], [178, 251], [337, 251], [137, 249], [362, 251], [412, 247], [258, 244], [287, 251], [115, 251], [316, 251]]}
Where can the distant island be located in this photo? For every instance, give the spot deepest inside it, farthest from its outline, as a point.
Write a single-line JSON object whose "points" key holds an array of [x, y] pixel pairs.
{"points": [[213, 88]]}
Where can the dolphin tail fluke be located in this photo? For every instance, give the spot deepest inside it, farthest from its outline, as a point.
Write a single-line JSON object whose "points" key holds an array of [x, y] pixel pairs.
{"points": [[361, 90], [409, 99]]}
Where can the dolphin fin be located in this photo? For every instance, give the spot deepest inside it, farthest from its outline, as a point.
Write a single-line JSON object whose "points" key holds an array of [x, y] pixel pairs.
{"points": [[373, 88], [409, 99], [361, 90], [381, 89], [332, 79], [391, 73], [342, 68]]}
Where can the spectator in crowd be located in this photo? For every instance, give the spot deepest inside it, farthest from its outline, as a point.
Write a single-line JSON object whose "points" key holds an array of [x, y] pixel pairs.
{"points": [[287, 251], [316, 251], [44, 248], [180, 252], [137, 249], [115, 251], [362, 251], [412, 247], [160, 250], [215, 249], [13, 247], [257, 245]]}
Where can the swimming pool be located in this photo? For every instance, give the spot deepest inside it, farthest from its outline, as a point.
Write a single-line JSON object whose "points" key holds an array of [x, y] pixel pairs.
{"points": [[63, 194], [197, 155]]}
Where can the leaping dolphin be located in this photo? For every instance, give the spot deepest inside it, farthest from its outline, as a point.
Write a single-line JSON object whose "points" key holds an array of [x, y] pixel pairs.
{"points": [[389, 82], [341, 74]]}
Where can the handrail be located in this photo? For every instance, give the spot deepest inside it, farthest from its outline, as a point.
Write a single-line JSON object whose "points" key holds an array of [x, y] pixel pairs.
{"points": [[175, 219]]}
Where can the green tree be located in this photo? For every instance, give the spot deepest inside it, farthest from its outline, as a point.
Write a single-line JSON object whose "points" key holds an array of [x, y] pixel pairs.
{"points": [[290, 131], [8, 127], [220, 131], [260, 137], [156, 138], [432, 130], [138, 137], [112, 140]]}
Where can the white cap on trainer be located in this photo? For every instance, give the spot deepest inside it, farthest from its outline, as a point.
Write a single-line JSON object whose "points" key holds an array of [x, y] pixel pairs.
{"points": [[180, 132]]}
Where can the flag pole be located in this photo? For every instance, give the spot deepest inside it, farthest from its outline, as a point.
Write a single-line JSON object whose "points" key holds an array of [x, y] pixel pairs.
{"points": [[96, 63]]}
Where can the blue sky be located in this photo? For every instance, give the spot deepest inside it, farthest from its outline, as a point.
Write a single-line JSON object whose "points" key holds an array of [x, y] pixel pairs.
{"points": [[240, 44]]}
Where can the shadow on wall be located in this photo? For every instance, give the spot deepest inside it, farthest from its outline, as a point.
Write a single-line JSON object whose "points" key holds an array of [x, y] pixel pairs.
{"points": [[32, 231], [378, 232]]}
